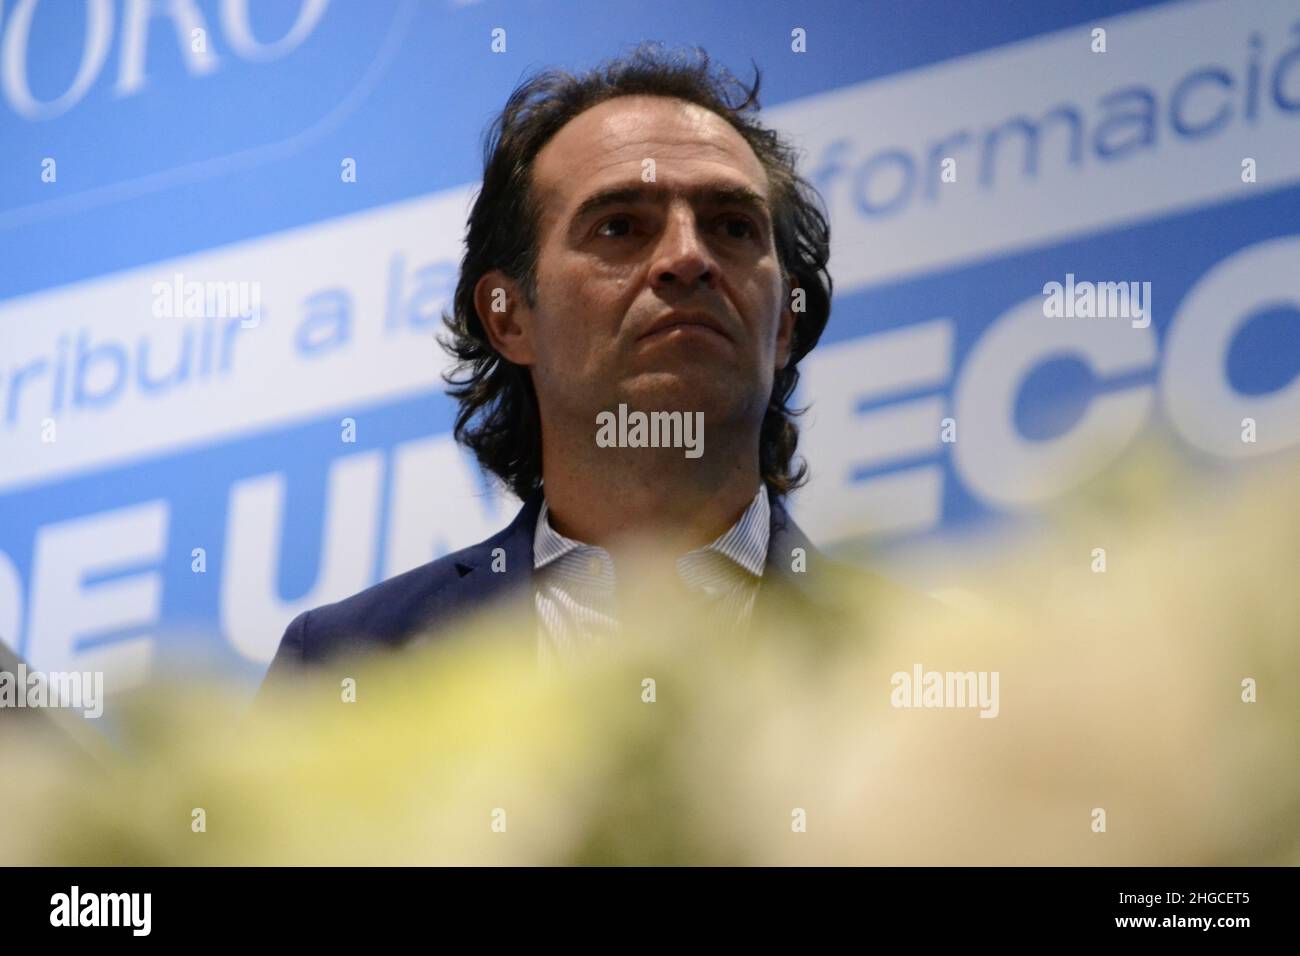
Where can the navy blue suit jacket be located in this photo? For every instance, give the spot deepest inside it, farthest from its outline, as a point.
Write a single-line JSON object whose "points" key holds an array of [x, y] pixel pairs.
{"points": [[425, 601]]}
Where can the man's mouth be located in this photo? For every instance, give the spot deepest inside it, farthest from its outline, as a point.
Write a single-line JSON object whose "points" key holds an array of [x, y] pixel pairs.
{"points": [[694, 325]]}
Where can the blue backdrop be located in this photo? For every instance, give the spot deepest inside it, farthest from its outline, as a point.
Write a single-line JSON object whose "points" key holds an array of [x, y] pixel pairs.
{"points": [[186, 479]]}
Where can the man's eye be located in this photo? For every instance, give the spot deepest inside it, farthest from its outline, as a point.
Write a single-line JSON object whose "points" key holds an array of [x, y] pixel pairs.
{"points": [[739, 227], [622, 224]]}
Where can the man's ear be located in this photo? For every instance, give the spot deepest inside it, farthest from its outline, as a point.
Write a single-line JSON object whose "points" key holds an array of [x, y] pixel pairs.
{"points": [[506, 316], [786, 323]]}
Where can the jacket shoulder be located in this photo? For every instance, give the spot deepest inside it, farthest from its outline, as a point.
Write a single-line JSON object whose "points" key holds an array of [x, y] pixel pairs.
{"points": [[387, 614], [424, 599], [385, 611]]}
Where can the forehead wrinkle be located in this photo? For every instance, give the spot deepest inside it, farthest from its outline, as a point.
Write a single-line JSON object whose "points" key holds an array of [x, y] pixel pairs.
{"points": [[686, 128]]}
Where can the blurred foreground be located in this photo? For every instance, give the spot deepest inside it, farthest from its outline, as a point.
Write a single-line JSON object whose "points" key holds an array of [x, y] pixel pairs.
{"points": [[1119, 691]]}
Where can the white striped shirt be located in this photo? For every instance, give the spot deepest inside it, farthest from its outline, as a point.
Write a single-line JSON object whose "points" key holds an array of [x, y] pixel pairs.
{"points": [[574, 582]]}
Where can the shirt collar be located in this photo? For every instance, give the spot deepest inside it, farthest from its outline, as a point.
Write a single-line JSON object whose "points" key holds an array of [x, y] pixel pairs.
{"points": [[745, 543]]}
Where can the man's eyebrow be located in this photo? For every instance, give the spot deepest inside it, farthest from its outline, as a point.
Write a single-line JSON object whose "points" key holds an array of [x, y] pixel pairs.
{"points": [[712, 194]]}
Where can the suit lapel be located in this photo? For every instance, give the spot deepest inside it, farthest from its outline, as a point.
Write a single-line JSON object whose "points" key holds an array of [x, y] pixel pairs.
{"points": [[788, 549], [785, 588], [796, 585], [513, 545]]}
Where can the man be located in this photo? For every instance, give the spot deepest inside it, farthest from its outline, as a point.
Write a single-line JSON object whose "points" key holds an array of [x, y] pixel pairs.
{"points": [[640, 245]]}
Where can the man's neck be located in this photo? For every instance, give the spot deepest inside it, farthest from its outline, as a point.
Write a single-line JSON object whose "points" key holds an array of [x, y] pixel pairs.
{"points": [[617, 497]]}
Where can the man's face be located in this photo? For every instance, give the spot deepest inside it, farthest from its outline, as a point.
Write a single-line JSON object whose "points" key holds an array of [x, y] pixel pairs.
{"points": [[619, 254]]}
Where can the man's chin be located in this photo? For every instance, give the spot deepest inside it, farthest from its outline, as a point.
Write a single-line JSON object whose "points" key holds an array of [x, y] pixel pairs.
{"points": [[683, 391]]}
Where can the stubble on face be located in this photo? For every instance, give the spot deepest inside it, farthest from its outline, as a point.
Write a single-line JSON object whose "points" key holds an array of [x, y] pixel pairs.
{"points": [[690, 242]]}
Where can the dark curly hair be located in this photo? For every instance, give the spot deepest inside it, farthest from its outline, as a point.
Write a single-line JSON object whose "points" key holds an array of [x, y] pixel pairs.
{"points": [[498, 416]]}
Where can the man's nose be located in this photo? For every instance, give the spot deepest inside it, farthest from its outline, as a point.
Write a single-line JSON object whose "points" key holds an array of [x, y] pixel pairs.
{"points": [[682, 258]]}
